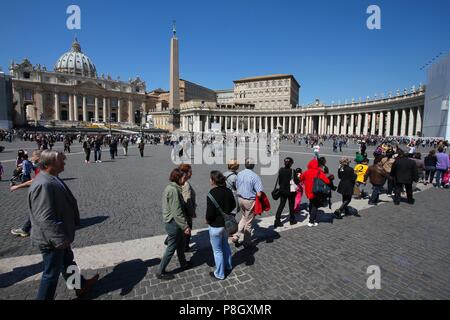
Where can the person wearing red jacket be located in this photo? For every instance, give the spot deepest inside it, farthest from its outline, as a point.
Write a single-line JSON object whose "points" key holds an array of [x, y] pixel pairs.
{"points": [[308, 179]]}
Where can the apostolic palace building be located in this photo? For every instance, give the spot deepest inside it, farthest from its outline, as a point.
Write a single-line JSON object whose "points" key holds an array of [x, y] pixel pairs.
{"points": [[73, 94]]}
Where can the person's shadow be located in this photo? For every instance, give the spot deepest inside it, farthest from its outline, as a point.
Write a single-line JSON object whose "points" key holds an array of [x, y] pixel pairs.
{"points": [[124, 277], [246, 255], [18, 274], [87, 222]]}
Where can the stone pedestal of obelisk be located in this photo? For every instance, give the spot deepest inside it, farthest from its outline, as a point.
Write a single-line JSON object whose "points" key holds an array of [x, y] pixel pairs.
{"points": [[174, 98]]}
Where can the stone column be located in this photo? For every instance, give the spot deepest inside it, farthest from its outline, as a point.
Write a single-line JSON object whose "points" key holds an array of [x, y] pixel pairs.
{"points": [[331, 130], [366, 124], [70, 108], [85, 114], [344, 128], [396, 121], [260, 124], [130, 111], [266, 122], [96, 111], [418, 121], [75, 108], [374, 123], [403, 126], [311, 124], [296, 125], [412, 122], [119, 110], [352, 124], [57, 118], [221, 122], [381, 124], [358, 130], [387, 131], [338, 125]]}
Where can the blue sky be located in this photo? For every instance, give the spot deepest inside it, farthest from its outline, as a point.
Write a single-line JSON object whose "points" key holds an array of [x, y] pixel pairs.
{"points": [[324, 44]]}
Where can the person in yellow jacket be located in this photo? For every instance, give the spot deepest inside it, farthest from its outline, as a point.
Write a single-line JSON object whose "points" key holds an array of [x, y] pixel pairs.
{"points": [[361, 178]]}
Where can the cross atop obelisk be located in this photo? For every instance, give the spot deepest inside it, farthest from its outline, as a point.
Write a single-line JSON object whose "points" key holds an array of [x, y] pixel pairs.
{"points": [[174, 97]]}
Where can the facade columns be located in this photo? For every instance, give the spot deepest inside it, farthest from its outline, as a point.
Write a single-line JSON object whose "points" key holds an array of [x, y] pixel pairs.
{"points": [[96, 111], [119, 111], [381, 124], [130, 110], [374, 123], [226, 123], [296, 125], [266, 129], [366, 124], [105, 112], [311, 124], [57, 118], [412, 122], [338, 125], [331, 130], [352, 124], [388, 124], [75, 108], [396, 121], [358, 128], [70, 107], [221, 123], [85, 114], [403, 126], [418, 121], [344, 128]]}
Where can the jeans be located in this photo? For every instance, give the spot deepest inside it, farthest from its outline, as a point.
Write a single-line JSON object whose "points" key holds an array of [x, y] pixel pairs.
{"points": [[429, 173], [175, 242], [439, 174], [97, 154], [376, 190], [283, 200], [141, 151], [125, 151], [112, 153], [221, 249], [55, 262]]}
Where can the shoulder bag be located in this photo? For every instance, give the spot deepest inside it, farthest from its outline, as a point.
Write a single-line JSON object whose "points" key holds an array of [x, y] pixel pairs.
{"points": [[231, 225]]}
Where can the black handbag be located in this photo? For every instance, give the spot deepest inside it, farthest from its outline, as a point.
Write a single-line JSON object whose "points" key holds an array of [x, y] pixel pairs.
{"points": [[276, 193], [231, 225]]}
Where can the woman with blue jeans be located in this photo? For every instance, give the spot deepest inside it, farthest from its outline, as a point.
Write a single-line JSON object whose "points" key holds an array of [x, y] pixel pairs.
{"points": [[220, 198]]}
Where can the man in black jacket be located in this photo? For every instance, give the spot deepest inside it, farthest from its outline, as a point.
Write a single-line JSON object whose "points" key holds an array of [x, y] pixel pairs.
{"points": [[404, 172]]}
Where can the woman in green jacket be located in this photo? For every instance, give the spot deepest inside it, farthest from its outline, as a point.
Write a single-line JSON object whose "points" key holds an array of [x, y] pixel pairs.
{"points": [[176, 225]]}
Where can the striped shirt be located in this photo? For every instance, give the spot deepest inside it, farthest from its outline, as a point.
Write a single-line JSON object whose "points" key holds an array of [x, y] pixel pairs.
{"points": [[248, 184]]}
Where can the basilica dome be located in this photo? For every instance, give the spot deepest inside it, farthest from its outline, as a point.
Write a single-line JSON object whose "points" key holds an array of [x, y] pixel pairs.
{"points": [[76, 62]]}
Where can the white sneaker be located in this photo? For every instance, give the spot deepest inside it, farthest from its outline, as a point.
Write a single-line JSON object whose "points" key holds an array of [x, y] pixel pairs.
{"points": [[315, 224], [310, 225]]}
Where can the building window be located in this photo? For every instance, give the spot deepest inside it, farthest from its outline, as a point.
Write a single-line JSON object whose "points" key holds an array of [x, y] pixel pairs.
{"points": [[26, 75], [28, 95]]}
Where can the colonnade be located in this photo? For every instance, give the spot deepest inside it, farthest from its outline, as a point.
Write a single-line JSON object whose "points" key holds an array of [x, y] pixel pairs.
{"points": [[397, 122]]}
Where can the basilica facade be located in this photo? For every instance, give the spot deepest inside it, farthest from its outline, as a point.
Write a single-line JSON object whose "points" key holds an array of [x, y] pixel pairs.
{"points": [[74, 94]]}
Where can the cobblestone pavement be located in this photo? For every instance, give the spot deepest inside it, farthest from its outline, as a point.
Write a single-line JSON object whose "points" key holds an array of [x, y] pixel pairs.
{"points": [[410, 244], [120, 207], [120, 200]]}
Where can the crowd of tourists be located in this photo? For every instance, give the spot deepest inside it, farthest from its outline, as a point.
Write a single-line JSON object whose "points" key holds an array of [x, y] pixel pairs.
{"points": [[54, 215]]}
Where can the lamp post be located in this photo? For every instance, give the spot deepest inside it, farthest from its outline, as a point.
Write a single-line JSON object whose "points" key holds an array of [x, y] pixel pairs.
{"points": [[191, 133]]}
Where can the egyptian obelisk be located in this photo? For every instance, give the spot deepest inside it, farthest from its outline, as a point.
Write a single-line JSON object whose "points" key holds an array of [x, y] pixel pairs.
{"points": [[174, 98]]}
